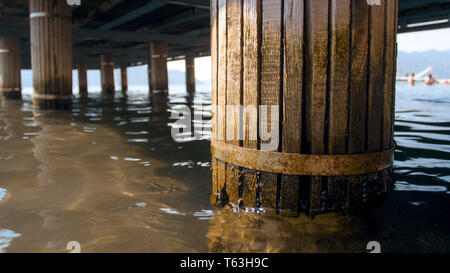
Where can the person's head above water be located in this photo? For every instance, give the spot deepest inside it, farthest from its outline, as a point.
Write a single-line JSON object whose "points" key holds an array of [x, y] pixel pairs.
{"points": [[413, 74]]}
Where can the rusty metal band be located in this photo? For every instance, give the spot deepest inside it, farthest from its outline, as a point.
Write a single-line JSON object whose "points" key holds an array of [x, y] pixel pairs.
{"points": [[52, 97], [302, 164], [160, 91]]}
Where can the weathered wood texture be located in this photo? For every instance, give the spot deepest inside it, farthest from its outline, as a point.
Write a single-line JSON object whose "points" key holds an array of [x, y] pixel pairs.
{"points": [[215, 194], [107, 75], [124, 78], [82, 81], [329, 65], [190, 74], [10, 62], [159, 77], [51, 53]]}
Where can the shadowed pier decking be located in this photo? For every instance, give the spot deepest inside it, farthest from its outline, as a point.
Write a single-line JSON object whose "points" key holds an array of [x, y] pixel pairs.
{"points": [[327, 66]]}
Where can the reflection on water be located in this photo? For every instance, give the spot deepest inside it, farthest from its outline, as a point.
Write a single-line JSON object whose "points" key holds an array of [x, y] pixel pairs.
{"points": [[6, 236], [109, 175]]}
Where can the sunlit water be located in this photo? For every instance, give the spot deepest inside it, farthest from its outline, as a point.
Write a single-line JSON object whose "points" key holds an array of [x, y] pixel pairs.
{"points": [[110, 176]]}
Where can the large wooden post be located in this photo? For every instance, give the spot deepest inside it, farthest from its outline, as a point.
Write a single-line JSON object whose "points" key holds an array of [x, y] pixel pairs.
{"points": [[316, 79], [107, 75], [51, 53], [124, 78], [10, 64], [190, 74], [82, 81], [158, 58]]}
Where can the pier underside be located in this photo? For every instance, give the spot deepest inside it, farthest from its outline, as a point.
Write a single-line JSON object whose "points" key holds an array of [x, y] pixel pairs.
{"points": [[125, 28]]}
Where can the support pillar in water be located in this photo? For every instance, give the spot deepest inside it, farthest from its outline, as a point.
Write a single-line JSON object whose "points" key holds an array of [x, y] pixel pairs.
{"points": [[316, 80], [158, 62], [82, 81], [124, 78], [107, 75], [10, 64], [190, 74], [51, 53]]}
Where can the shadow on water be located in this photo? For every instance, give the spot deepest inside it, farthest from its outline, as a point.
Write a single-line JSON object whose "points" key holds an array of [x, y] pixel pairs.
{"points": [[110, 175]]}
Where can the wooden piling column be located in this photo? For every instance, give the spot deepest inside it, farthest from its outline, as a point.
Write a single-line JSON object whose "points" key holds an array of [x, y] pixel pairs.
{"points": [[149, 71], [124, 78], [10, 64], [190, 74], [319, 75], [82, 81], [107, 75], [51, 53], [158, 62]]}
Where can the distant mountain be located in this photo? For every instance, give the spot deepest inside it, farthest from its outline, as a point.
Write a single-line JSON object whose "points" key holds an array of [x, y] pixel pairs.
{"points": [[419, 61], [137, 77]]}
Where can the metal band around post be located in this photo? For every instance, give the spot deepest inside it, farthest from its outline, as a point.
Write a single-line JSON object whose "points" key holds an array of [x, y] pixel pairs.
{"points": [[302, 164], [52, 97], [160, 91]]}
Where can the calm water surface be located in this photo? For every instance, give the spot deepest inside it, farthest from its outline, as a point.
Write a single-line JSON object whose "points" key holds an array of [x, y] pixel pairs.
{"points": [[110, 176]]}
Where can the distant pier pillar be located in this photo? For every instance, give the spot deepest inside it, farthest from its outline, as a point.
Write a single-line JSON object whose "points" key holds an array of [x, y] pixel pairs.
{"points": [[316, 131], [107, 75], [190, 74], [149, 70], [51, 53], [158, 62], [82, 81], [124, 78], [10, 64]]}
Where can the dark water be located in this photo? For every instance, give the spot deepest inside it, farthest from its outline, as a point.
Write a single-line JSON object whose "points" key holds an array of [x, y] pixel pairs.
{"points": [[110, 176]]}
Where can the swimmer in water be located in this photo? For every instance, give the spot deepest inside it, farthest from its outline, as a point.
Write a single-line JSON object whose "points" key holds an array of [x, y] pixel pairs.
{"points": [[430, 80], [411, 79]]}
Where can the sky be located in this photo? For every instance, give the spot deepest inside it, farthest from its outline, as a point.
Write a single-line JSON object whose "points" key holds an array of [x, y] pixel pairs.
{"points": [[424, 40]]}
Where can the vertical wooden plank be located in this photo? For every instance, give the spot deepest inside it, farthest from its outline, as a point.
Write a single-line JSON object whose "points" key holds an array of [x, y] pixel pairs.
{"points": [[149, 70], [159, 74], [376, 77], [234, 88], [271, 67], [10, 65], [107, 74], [292, 100], [124, 78], [190, 74], [222, 88], [82, 80], [251, 91], [389, 73], [317, 62], [214, 62], [375, 91], [358, 94], [338, 96], [389, 82], [394, 82]]}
